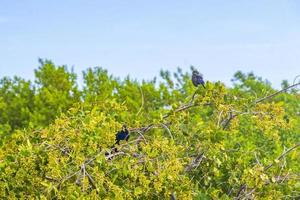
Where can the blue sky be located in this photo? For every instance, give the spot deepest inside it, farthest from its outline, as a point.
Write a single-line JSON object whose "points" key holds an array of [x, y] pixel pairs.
{"points": [[141, 37]]}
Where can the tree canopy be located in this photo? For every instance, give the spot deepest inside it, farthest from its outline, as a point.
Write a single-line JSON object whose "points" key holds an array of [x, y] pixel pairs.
{"points": [[216, 142]]}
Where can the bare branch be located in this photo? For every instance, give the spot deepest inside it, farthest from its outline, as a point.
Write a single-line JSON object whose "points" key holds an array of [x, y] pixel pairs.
{"points": [[257, 160], [296, 77], [193, 97], [141, 136], [276, 93], [83, 171], [91, 180], [232, 116], [172, 196], [282, 156], [241, 190], [141, 129], [185, 107], [110, 156], [228, 120], [280, 179], [219, 118], [195, 163], [50, 178]]}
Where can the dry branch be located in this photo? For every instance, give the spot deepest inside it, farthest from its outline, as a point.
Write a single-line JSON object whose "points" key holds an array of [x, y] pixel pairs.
{"points": [[232, 116], [276, 93], [243, 187], [195, 163], [282, 155]]}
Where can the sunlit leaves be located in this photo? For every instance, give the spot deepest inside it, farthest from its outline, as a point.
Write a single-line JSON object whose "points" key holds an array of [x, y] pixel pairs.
{"points": [[186, 149]]}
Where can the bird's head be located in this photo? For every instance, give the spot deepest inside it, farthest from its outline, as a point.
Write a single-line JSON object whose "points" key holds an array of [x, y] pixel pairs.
{"points": [[124, 127], [195, 72]]}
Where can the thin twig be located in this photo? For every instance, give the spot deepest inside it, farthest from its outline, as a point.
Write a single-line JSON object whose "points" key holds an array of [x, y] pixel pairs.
{"points": [[50, 178], [166, 127], [141, 129], [91, 180], [83, 175], [219, 118], [143, 101], [94, 158], [142, 136], [296, 79], [185, 107], [257, 160], [193, 97]]}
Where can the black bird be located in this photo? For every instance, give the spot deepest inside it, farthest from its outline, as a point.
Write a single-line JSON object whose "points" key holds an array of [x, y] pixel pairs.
{"points": [[197, 79], [122, 135]]}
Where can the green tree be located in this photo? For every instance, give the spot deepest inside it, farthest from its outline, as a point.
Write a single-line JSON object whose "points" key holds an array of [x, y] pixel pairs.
{"points": [[16, 103], [185, 142], [98, 85], [56, 92]]}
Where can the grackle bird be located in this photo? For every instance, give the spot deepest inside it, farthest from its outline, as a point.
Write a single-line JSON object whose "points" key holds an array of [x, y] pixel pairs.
{"points": [[122, 135], [197, 79]]}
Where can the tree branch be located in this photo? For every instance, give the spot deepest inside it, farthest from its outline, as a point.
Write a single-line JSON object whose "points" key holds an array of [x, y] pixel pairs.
{"points": [[185, 107], [195, 163], [110, 156], [282, 156], [276, 93], [243, 187], [167, 128], [91, 180], [232, 116]]}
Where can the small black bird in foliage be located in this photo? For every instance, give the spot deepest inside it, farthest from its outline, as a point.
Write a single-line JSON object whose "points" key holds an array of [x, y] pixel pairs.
{"points": [[197, 79], [122, 135]]}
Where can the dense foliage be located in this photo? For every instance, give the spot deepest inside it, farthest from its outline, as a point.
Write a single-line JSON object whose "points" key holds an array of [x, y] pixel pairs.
{"points": [[185, 142]]}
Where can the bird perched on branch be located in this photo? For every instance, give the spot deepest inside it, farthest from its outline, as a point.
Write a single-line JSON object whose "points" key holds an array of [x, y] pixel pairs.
{"points": [[122, 135], [197, 79]]}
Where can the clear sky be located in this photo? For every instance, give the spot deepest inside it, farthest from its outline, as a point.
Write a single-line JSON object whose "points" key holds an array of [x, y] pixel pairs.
{"points": [[141, 37]]}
